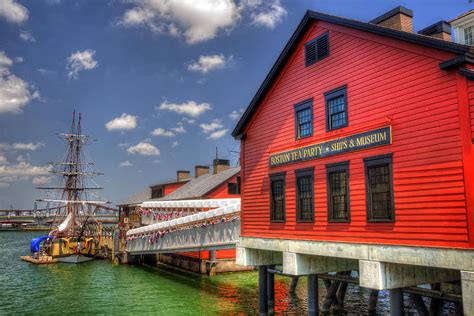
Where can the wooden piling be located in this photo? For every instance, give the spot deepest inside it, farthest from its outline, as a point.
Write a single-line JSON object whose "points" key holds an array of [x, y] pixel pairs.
{"points": [[262, 291], [313, 295]]}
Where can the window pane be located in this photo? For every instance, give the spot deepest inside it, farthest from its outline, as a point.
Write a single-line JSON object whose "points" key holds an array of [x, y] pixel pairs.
{"points": [[304, 122], [278, 200], [380, 197], [338, 195], [468, 35], [337, 112], [305, 197]]}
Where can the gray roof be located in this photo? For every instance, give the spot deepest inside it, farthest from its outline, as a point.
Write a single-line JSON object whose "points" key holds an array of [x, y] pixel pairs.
{"points": [[198, 187], [137, 198]]}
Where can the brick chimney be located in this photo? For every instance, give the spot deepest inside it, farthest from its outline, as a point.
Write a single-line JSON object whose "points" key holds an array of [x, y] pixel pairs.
{"points": [[220, 165], [399, 18], [441, 30], [182, 175], [200, 170]]}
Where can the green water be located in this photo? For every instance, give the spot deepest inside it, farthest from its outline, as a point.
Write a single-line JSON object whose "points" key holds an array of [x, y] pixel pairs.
{"points": [[98, 287]]}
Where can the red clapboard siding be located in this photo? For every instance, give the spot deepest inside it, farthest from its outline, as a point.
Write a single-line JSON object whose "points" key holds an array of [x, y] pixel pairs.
{"points": [[173, 186], [471, 106], [389, 82], [221, 192]]}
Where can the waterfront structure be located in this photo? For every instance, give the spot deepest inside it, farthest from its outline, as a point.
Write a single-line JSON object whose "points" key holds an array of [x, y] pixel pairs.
{"points": [[357, 154], [223, 182]]}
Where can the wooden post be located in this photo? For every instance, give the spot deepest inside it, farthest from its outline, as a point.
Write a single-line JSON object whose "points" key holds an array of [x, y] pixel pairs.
{"points": [[435, 303], [373, 298], [330, 296], [271, 289], [294, 284], [262, 291], [396, 302], [313, 295]]}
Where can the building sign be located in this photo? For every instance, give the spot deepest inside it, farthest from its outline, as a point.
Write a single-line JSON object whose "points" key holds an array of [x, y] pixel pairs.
{"points": [[378, 137]]}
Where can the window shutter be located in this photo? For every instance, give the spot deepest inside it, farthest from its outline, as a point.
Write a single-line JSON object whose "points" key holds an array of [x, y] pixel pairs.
{"points": [[316, 49], [322, 45], [310, 53]]}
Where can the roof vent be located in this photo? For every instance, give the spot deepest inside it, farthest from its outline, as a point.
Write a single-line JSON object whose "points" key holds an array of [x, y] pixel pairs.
{"points": [[441, 30], [316, 49], [399, 18]]}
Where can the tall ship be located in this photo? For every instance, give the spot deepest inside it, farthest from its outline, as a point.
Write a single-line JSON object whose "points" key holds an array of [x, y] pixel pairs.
{"points": [[75, 231]]}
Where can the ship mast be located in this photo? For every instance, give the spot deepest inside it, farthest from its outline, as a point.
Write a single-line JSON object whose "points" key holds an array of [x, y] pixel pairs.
{"points": [[74, 177]]}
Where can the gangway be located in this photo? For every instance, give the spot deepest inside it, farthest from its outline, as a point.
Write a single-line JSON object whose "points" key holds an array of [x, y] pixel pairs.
{"points": [[214, 229]]}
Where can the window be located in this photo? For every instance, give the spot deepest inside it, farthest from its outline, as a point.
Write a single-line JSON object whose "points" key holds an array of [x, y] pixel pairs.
{"points": [[277, 197], [304, 195], [157, 192], [234, 188], [338, 192], [469, 35], [316, 49], [304, 119], [336, 108], [379, 187]]}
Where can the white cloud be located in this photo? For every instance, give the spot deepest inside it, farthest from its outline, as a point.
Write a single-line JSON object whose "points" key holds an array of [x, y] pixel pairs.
{"points": [[27, 36], [21, 146], [123, 144], [15, 93], [4, 185], [22, 171], [174, 144], [13, 12], [189, 108], [179, 129], [45, 71], [218, 134], [126, 163], [162, 132], [19, 59], [197, 21], [3, 160], [124, 122], [207, 63], [209, 127], [80, 61], [20, 158], [235, 115], [41, 180], [27, 146], [145, 149], [269, 15]]}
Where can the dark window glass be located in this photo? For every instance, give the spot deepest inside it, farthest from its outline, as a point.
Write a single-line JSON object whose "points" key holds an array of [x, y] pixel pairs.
{"points": [[338, 192], [379, 188], [336, 108], [157, 193], [277, 197], [304, 119], [234, 188], [304, 195]]}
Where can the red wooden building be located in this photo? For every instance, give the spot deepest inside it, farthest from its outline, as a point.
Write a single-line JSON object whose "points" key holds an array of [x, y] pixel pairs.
{"points": [[361, 134]]}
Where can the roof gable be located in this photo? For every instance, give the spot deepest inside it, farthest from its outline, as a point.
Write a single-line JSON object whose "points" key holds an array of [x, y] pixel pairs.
{"points": [[311, 16]]}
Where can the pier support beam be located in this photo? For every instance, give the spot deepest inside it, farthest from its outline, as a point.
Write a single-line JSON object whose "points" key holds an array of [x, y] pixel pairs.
{"points": [[386, 276], [299, 264], [467, 284], [373, 299], [262, 291], [212, 255], [396, 302], [313, 295], [257, 257]]}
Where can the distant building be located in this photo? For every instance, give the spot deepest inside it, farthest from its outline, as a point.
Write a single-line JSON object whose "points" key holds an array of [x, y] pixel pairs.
{"points": [[222, 182], [463, 28]]}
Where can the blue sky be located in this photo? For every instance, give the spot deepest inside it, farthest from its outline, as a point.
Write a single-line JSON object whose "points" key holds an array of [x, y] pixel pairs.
{"points": [[160, 84]]}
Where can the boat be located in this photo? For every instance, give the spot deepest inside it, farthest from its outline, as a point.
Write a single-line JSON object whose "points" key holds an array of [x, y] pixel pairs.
{"points": [[76, 238]]}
